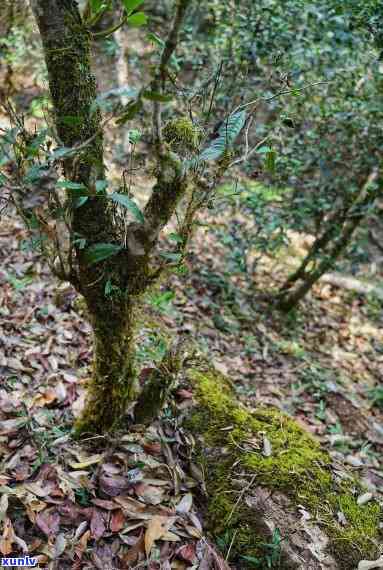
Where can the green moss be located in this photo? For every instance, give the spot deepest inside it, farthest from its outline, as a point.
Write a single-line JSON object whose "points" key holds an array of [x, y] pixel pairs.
{"points": [[297, 467], [182, 134]]}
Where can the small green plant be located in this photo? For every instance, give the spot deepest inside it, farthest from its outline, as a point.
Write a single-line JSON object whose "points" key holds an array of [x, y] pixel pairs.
{"points": [[19, 284], [82, 496], [273, 552], [162, 301], [154, 348], [223, 541], [376, 395]]}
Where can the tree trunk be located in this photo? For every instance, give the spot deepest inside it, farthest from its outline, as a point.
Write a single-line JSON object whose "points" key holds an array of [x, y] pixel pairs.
{"points": [[330, 246], [272, 496], [128, 273], [114, 382], [66, 44]]}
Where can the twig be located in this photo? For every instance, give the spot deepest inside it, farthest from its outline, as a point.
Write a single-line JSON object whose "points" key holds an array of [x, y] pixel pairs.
{"points": [[284, 92], [240, 497], [248, 153]]}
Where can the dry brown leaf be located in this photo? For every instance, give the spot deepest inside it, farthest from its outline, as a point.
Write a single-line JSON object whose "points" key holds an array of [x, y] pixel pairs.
{"points": [[187, 552], [82, 544], [157, 527], [44, 399], [117, 521], [97, 524], [114, 485], [3, 506], [7, 538], [48, 521], [134, 553], [149, 494], [12, 425], [92, 460]]}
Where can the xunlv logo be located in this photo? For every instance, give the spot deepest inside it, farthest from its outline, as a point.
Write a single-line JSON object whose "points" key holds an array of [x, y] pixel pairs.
{"points": [[26, 561]]}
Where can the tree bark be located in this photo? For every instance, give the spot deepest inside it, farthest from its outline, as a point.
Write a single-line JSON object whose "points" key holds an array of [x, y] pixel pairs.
{"points": [[66, 44], [114, 382]]}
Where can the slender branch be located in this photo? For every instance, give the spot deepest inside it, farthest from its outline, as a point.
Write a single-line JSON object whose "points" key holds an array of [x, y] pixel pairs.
{"points": [[160, 79], [279, 94], [111, 30], [172, 39]]}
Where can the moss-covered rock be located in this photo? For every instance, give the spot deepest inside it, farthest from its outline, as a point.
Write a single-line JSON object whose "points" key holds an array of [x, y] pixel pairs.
{"points": [[265, 474]]}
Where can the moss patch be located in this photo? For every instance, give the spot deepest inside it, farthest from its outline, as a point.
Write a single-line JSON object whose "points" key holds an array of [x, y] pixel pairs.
{"points": [[182, 134], [297, 466]]}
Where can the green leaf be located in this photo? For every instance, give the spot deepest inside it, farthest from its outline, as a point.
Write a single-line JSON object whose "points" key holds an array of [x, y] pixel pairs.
{"points": [[227, 134], [100, 251], [176, 257], [125, 201], [155, 96], [214, 150], [70, 120], [270, 160], [264, 150], [131, 111], [155, 39], [34, 173], [108, 100], [60, 153], [69, 185], [134, 136], [176, 237], [131, 5], [79, 201], [138, 19], [95, 5], [232, 126], [101, 186]]}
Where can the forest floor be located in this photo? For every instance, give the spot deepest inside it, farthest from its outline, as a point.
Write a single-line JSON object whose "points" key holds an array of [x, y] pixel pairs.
{"points": [[106, 502], [77, 505]]}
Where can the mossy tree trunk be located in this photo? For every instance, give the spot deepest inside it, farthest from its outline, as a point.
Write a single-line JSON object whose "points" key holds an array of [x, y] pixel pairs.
{"points": [[272, 493], [66, 44], [114, 379], [126, 275]]}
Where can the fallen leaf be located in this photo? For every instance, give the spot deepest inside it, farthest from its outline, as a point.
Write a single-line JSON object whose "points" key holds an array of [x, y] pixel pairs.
{"points": [[60, 545], [149, 494], [133, 553], [365, 498], [49, 522], [153, 448], [157, 527], [187, 552], [117, 521], [267, 450], [87, 462], [3, 506], [113, 486], [44, 399], [185, 504], [97, 524], [369, 564], [10, 426], [105, 504], [7, 538]]}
